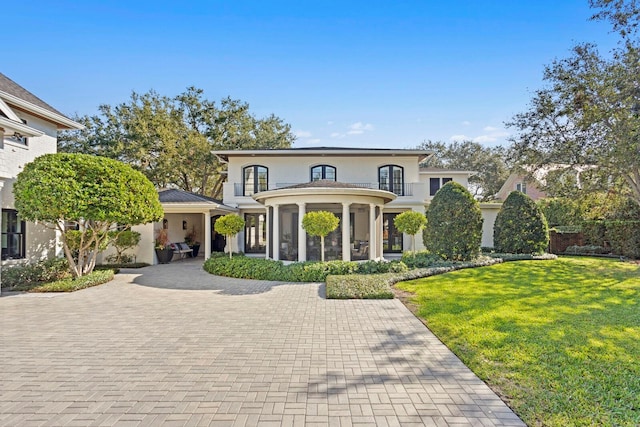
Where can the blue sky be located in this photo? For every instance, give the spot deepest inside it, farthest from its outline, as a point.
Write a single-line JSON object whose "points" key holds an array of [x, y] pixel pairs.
{"points": [[342, 73]]}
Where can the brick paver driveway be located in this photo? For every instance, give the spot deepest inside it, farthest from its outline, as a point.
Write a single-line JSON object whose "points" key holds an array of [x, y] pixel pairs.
{"points": [[173, 345]]}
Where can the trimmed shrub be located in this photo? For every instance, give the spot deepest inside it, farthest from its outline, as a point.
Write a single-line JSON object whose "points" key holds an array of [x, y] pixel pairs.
{"points": [[359, 287], [28, 275], [520, 226], [71, 284], [624, 237], [561, 212], [422, 259], [454, 224]]}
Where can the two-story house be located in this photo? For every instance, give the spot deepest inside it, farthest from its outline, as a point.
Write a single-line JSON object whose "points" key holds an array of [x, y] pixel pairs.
{"points": [[366, 188], [28, 129]]}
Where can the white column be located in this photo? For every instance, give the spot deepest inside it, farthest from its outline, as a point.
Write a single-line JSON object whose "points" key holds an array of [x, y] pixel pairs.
{"points": [[267, 250], [207, 235], [276, 233], [372, 231], [1, 204], [346, 235], [380, 232], [302, 234]]}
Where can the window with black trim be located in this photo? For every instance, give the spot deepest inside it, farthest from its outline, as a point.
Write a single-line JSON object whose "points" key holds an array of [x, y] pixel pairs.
{"points": [[13, 235], [323, 172], [391, 178], [521, 187], [436, 183], [255, 179]]}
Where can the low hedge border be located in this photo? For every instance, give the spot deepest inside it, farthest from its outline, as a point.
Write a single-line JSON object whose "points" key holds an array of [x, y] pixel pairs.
{"points": [[523, 257], [378, 286], [97, 277]]}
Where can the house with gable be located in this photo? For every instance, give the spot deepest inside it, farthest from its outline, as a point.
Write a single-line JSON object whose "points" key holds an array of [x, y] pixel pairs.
{"points": [[366, 188], [28, 129]]}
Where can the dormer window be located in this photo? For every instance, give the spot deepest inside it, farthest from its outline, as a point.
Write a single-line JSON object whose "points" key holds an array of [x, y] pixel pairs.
{"points": [[323, 172], [255, 179], [391, 178]]}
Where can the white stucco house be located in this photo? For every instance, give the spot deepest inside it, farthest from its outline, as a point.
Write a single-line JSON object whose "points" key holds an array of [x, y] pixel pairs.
{"points": [[28, 129], [365, 188]]}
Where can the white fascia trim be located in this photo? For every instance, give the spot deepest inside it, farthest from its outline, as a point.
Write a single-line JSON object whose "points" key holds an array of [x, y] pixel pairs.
{"points": [[8, 111], [19, 127], [57, 118]]}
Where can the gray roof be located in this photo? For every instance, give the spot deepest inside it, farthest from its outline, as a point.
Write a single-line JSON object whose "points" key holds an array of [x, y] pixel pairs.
{"points": [[12, 88], [173, 195]]}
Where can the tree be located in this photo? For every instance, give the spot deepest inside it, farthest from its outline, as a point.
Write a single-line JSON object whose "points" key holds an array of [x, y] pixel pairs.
{"points": [[454, 223], [410, 222], [489, 163], [123, 240], [170, 139], [320, 223], [589, 111], [229, 225], [91, 193], [520, 226]]}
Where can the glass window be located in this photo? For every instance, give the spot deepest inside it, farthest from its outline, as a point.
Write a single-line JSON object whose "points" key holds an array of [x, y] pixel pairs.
{"points": [[13, 235], [391, 178], [434, 186], [522, 187], [323, 172], [256, 179], [255, 233], [445, 180]]}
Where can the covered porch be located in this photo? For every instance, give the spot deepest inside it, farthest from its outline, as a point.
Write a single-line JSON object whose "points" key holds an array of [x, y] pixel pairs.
{"points": [[358, 237]]}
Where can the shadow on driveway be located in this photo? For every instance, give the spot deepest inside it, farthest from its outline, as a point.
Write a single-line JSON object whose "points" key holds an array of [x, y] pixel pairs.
{"points": [[188, 275]]}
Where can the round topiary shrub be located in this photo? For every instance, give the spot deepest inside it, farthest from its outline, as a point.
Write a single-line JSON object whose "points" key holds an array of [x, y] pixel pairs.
{"points": [[454, 224], [520, 226]]}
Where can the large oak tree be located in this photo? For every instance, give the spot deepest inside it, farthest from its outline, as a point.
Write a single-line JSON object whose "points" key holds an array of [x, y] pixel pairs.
{"points": [[170, 139]]}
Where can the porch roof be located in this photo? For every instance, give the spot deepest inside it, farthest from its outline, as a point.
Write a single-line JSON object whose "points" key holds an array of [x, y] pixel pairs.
{"points": [[174, 200], [332, 190]]}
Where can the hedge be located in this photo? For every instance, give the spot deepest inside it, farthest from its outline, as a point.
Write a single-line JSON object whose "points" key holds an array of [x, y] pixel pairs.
{"points": [[622, 236]]}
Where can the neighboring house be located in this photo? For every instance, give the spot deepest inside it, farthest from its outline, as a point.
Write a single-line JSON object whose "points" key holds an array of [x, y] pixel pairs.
{"points": [[366, 188], [28, 129], [522, 183]]}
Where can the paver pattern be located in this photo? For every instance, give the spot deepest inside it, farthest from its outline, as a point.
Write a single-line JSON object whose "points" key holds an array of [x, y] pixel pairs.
{"points": [[171, 345]]}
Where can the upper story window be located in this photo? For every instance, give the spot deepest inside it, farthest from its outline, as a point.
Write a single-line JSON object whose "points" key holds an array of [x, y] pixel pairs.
{"points": [[391, 178], [18, 138], [436, 183], [323, 172], [255, 179], [13, 235], [522, 187]]}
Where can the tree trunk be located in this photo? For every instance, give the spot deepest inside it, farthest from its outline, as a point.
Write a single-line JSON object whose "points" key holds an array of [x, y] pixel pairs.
{"points": [[322, 248]]}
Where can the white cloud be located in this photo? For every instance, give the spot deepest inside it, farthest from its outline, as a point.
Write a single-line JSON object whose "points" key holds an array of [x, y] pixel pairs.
{"points": [[359, 128], [302, 134], [466, 123], [492, 136], [458, 138], [330, 122], [314, 141], [336, 135], [489, 129]]}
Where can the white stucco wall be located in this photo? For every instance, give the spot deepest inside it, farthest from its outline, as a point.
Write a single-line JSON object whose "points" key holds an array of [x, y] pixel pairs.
{"points": [[489, 213], [40, 241]]}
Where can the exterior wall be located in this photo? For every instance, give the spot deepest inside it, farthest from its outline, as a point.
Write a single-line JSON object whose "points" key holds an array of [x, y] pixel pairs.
{"points": [[289, 170], [41, 242], [489, 214]]}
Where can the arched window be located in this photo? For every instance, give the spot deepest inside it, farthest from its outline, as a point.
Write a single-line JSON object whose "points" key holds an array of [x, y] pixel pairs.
{"points": [[255, 178], [391, 178], [323, 172]]}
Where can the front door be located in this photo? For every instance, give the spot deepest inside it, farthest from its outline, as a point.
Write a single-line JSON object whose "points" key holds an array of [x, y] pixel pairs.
{"points": [[391, 237]]}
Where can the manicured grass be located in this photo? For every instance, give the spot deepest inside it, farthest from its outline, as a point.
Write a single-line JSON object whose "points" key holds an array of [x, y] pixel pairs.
{"points": [[98, 277], [558, 340]]}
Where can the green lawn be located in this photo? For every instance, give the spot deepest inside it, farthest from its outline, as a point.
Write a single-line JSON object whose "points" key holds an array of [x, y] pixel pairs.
{"points": [[558, 340]]}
